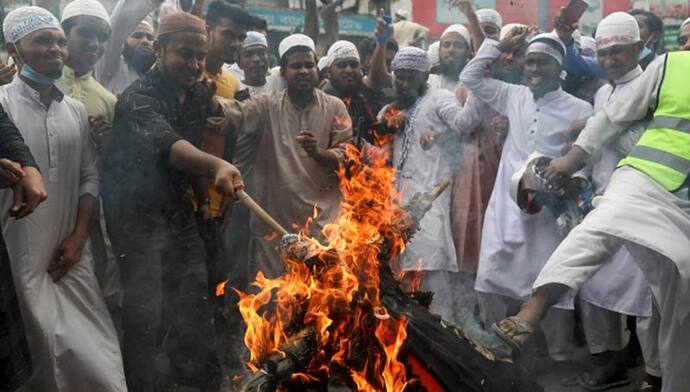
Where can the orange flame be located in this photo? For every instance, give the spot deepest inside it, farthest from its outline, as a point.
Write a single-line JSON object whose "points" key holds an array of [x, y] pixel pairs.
{"points": [[394, 118], [336, 300], [220, 288]]}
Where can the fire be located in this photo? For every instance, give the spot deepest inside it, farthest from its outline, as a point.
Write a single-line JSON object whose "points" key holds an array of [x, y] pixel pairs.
{"points": [[394, 118], [355, 335], [220, 288]]}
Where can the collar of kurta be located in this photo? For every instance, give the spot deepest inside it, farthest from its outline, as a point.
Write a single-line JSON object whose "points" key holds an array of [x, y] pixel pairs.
{"points": [[286, 96], [56, 94], [634, 73], [68, 74], [553, 94]]}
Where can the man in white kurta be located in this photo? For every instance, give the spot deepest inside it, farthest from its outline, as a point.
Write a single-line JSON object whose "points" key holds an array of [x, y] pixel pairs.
{"points": [[129, 52], [636, 212], [425, 152], [619, 288], [454, 50], [72, 340], [516, 245]]}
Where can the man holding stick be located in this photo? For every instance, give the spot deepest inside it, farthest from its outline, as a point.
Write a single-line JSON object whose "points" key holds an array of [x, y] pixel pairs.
{"points": [[154, 154]]}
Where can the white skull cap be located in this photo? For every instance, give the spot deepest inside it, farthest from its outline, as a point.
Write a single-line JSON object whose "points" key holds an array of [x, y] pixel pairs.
{"points": [[85, 8], [341, 50], [434, 53], [254, 38], [294, 40], [619, 28], [411, 58], [460, 29], [25, 20]]}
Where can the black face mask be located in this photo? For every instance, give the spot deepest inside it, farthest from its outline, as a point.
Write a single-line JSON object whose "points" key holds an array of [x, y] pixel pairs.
{"points": [[140, 62]]}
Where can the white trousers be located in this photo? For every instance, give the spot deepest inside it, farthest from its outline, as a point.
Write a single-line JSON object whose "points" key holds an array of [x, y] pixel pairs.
{"points": [[648, 335], [605, 330], [587, 247]]}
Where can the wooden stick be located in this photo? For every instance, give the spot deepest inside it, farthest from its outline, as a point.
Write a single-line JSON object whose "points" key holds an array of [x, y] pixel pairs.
{"points": [[261, 213], [439, 188]]}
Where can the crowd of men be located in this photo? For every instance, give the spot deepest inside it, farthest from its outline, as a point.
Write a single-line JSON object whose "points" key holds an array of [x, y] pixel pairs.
{"points": [[123, 147]]}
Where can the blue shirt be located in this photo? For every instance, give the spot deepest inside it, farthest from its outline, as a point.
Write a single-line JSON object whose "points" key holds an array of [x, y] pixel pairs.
{"points": [[577, 64]]}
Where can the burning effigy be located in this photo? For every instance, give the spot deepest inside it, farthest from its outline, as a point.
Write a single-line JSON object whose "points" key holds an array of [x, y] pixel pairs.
{"points": [[338, 314]]}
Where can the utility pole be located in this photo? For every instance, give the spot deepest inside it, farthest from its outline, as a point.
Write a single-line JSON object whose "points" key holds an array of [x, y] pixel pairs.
{"points": [[311, 20]]}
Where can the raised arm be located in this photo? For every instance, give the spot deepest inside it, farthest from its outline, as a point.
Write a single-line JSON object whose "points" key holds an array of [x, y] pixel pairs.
{"points": [[475, 76], [575, 63], [467, 9], [126, 16], [462, 119], [378, 77]]}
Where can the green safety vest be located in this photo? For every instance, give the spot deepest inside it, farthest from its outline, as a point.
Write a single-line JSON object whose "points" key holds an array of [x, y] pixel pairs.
{"points": [[663, 151]]}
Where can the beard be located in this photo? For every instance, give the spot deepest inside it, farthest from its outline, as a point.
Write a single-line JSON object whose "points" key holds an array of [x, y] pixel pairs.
{"points": [[140, 62], [452, 67], [407, 99], [346, 90]]}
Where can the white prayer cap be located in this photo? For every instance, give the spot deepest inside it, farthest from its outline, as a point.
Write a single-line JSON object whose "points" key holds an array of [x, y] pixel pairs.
{"points": [[548, 44], [411, 58], [460, 29], [489, 15], [508, 28], [254, 38], [589, 46], [619, 28], [686, 22], [294, 40], [434, 53], [323, 63], [25, 20], [341, 50], [85, 8], [401, 13]]}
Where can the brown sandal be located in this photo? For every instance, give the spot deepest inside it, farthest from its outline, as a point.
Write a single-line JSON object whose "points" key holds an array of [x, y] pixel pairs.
{"points": [[520, 328]]}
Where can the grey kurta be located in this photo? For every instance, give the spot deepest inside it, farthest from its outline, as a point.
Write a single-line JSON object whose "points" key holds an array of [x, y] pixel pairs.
{"points": [[72, 340], [284, 179]]}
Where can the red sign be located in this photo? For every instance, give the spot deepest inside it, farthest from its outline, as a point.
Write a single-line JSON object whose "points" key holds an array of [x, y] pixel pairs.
{"points": [[515, 11]]}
